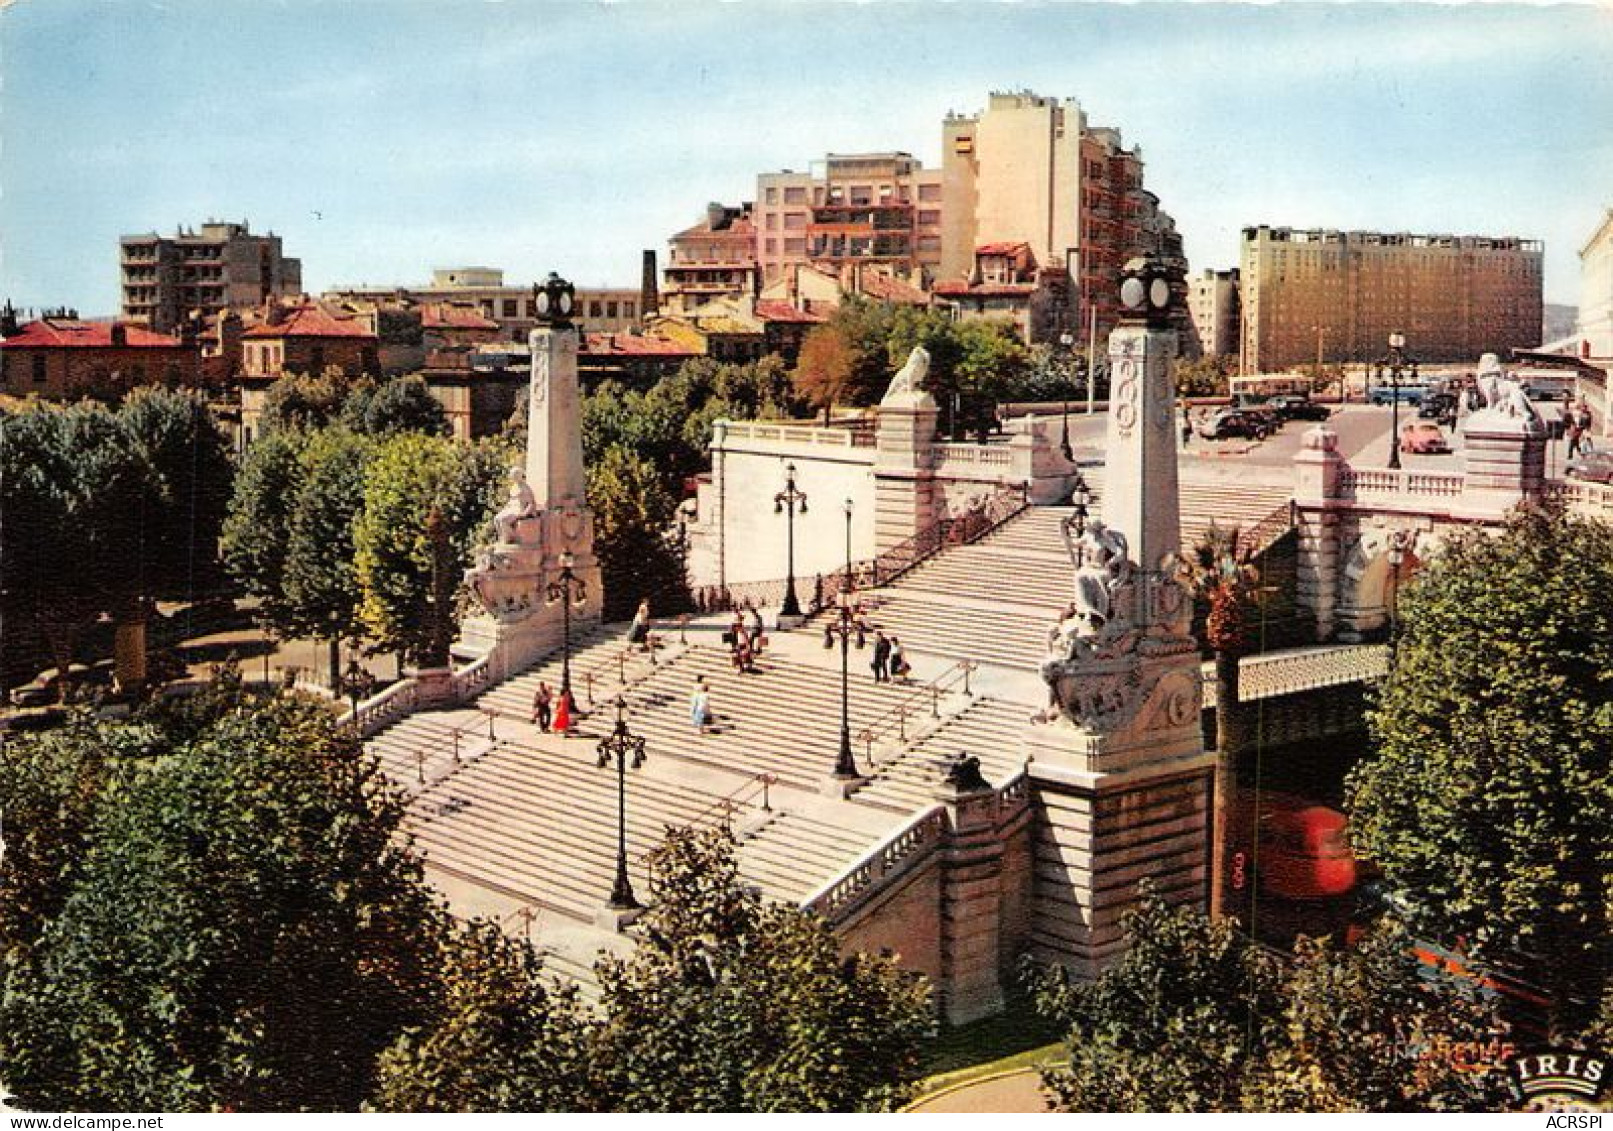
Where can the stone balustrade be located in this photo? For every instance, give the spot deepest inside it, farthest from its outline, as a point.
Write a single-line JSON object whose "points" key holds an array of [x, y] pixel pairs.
{"points": [[1355, 483], [898, 853], [796, 433]]}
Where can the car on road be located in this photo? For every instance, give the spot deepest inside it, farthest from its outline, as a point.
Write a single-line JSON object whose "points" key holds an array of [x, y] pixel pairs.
{"points": [[1291, 406], [1537, 391], [1436, 406], [1425, 438], [1229, 423], [1406, 394], [1591, 465]]}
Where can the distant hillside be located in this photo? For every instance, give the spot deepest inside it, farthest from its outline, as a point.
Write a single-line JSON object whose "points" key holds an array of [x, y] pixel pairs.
{"points": [[1559, 321]]}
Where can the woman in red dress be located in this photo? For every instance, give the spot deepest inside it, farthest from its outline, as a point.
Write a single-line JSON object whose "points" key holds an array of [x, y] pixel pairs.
{"points": [[562, 714]]}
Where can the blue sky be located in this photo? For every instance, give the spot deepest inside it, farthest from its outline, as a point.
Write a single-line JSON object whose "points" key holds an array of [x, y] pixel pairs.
{"points": [[384, 137]]}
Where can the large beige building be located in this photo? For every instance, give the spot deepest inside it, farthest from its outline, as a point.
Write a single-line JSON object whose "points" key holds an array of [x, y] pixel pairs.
{"points": [[1596, 292], [602, 310], [714, 259], [1454, 297], [1212, 303], [1032, 170], [222, 266], [879, 209]]}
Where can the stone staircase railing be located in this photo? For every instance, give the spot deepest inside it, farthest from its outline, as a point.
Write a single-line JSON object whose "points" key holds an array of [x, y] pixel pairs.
{"points": [[1594, 499], [968, 527], [725, 809], [384, 708], [1264, 534], [895, 856], [923, 704]]}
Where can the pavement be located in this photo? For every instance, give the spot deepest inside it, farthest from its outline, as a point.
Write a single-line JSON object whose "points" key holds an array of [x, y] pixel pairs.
{"points": [[1016, 1092]]}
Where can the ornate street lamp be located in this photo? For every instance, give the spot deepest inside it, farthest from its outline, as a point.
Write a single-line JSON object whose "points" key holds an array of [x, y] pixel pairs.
{"points": [[356, 682], [567, 589], [847, 624], [1081, 495], [788, 502], [1395, 362], [1399, 544], [621, 745], [1066, 341]]}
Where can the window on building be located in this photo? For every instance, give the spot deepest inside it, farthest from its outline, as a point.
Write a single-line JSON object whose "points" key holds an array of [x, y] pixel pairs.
{"points": [[628, 310], [595, 309], [610, 309], [772, 196], [795, 247], [39, 369], [795, 194], [795, 221], [930, 216], [770, 247], [929, 193], [772, 221], [512, 307]]}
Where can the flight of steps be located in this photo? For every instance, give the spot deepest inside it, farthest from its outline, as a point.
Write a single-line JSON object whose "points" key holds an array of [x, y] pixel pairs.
{"points": [[782, 720], [985, 729], [537, 821], [993, 601], [597, 656]]}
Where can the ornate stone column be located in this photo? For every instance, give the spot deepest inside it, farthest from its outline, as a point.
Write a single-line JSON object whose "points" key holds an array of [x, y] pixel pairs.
{"points": [[1316, 477], [546, 515], [904, 444], [1117, 762]]}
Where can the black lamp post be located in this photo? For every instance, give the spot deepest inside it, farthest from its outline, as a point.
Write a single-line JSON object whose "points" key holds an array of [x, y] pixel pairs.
{"points": [[1065, 344], [847, 624], [788, 502], [568, 589], [1395, 362], [1399, 543], [1081, 495], [621, 745], [356, 682]]}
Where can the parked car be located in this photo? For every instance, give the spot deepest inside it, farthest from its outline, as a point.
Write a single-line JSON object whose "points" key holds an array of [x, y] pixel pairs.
{"points": [[1291, 406], [1592, 465], [1407, 394], [1541, 392], [1236, 422], [1423, 437], [1436, 406], [1305, 853]]}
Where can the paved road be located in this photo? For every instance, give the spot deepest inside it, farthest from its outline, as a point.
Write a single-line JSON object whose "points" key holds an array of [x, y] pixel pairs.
{"points": [[1015, 1093]]}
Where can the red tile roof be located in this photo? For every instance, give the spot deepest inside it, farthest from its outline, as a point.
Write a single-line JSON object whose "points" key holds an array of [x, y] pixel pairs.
{"points": [[893, 290], [985, 290], [1004, 247], [310, 321], [66, 333], [633, 345], [773, 310], [454, 316]]}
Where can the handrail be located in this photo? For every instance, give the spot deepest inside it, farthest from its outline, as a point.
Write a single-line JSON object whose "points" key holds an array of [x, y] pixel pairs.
{"points": [[972, 525], [893, 856], [728, 804], [898, 715]]}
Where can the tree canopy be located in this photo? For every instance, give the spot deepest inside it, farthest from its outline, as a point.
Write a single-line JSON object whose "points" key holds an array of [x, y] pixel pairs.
{"points": [[1488, 799], [1195, 1016]]}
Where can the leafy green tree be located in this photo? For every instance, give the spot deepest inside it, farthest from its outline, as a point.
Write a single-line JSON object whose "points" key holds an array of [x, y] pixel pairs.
{"points": [[501, 1040], [396, 561], [403, 404], [1172, 1025], [633, 511], [304, 400], [825, 370], [1364, 1029], [243, 931], [1489, 796], [319, 585], [730, 1004], [1204, 376], [257, 530]]}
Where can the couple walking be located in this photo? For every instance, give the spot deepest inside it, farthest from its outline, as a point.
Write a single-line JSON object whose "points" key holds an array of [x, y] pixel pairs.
{"points": [[889, 662], [550, 712]]}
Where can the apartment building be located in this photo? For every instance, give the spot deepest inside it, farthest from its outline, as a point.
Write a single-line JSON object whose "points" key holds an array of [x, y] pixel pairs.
{"points": [[862, 209], [1344, 293], [598, 309], [714, 259], [1596, 292], [1212, 304], [1032, 170], [221, 266]]}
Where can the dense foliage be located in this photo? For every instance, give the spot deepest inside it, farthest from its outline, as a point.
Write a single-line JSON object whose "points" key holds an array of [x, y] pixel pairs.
{"points": [[1489, 797], [212, 906], [105, 510], [1196, 1017]]}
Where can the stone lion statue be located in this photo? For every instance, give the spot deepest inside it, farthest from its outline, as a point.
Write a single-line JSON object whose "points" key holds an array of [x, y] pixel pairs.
{"points": [[910, 378]]}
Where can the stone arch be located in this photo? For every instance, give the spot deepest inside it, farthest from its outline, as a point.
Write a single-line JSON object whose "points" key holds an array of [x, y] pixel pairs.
{"points": [[1369, 580]]}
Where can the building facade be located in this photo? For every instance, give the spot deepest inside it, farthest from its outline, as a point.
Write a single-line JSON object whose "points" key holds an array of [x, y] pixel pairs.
{"points": [[864, 209], [1343, 294], [1212, 303], [1032, 170], [1008, 286], [212, 270], [303, 338], [714, 259], [613, 310], [1596, 292], [65, 358]]}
